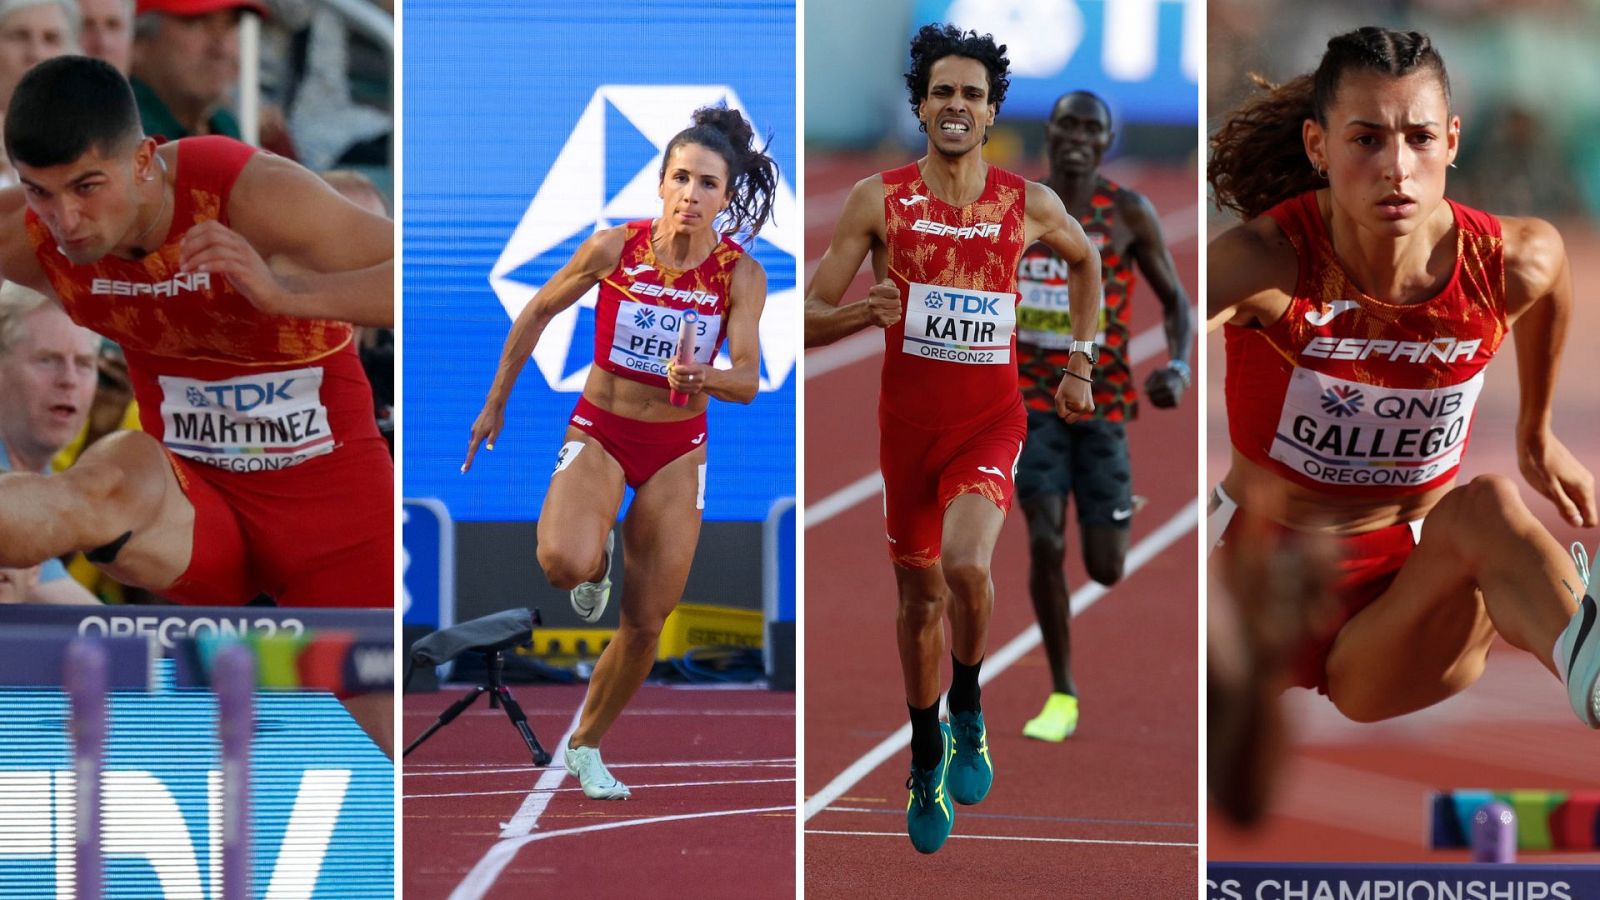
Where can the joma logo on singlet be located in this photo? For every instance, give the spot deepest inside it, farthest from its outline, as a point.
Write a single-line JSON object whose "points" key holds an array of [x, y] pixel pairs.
{"points": [[1445, 350], [177, 284], [698, 298], [939, 229]]}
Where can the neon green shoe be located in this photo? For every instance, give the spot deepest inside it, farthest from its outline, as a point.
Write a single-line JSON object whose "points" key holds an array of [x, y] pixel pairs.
{"points": [[929, 815], [971, 770], [1056, 722]]}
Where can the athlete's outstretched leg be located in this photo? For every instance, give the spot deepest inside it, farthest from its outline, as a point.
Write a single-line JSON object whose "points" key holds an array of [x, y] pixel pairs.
{"points": [[971, 527], [659, 537], [1484, 565], [1105, 551], [579, 509], [121, 503]]}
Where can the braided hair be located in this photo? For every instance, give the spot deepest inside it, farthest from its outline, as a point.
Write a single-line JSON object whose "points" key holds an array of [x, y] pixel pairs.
{"points": [[752, 173], [1258, 155]]}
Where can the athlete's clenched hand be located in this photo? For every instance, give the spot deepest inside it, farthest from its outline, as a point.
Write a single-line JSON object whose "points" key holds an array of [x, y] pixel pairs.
{"points": [[214, 247], [1074, 400], [883, 304]]}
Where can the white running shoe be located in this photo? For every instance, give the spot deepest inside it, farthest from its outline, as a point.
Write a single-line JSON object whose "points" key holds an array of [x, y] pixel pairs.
{"points": [[598, 783], [590, 598], [1578, 648]]}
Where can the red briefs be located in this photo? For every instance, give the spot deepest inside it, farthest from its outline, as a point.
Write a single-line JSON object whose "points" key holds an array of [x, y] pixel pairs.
{"points": [[315, 534], [1368, 564], [924, 470], [642, 448]]}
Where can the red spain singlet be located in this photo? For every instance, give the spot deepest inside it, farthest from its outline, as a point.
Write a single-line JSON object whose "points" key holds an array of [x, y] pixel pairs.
{"points": [[1350, 394], [642, 305], [218, 381], [951, 359], [268, 419]]}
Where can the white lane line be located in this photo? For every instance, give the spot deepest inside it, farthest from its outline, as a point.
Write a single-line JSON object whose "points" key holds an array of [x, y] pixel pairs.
{"points": [[483, 875], [841, 500], [674, 784], [457, 770], [1004, 837], [1082, 598], [533, 806]]}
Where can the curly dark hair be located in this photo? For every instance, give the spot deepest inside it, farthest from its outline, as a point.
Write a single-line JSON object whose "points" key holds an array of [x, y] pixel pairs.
{"points": [[934, 42], [1258, 157], [752, 173]]}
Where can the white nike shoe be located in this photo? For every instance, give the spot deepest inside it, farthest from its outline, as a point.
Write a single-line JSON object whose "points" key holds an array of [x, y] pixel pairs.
{"points": [[590, 598], [1578, 648], [598, 782]]}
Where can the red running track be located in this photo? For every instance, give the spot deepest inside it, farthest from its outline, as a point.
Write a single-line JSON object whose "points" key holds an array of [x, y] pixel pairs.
{"points": [[1354, 792], [712, 774], [1111, 812]]}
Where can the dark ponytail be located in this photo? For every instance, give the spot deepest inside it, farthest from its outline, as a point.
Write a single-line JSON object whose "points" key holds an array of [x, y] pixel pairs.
{"points": [[1258, 156], [752, 174]]}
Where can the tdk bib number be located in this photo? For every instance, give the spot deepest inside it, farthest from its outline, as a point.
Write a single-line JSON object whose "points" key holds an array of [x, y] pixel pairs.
{"points": [[646, 338], [253, 423], [959, 325]]}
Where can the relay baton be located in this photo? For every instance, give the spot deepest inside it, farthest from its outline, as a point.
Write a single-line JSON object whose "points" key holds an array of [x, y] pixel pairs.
{"points": [[685, 351]]}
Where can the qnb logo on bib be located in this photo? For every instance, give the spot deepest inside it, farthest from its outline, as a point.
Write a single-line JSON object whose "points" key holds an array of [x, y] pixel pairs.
{"points": [[253, 423], [1344, 432], [959, 325], [646, 337]]}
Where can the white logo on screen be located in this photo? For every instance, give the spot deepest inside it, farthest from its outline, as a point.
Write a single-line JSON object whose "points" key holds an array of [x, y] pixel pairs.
{"points": [[572, 200]]}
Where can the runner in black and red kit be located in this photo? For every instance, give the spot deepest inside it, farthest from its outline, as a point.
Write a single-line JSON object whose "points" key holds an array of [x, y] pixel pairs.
{"points": [[259, 468], [1087, 460], [652, 274], [946, 234]]}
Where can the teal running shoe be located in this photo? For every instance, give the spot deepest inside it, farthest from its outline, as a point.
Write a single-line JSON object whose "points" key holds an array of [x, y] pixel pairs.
{"points": [[928, 812], [971, 771], [1578, 648]]}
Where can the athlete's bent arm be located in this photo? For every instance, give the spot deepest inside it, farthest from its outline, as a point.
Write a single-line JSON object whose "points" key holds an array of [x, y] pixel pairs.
{"points": [[1539, 302], [1164, 386], [296, 247], [860, 230], [1049, 224], [595, 258], [1250, 271], [739, 384]]}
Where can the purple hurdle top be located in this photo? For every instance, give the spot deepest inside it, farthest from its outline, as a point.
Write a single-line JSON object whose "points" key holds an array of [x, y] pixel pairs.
{"points": [[233, 677], [84, 677]]}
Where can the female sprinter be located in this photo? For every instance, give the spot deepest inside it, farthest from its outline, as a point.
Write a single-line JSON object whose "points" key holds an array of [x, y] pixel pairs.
{"points": [[652, 274], [1360, 307]]}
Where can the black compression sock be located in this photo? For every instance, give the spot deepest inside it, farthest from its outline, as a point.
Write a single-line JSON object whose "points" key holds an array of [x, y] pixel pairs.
{"points": [[964, 692], [926, 744]]}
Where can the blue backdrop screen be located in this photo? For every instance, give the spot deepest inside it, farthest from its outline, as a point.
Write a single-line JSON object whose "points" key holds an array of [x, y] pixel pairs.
{"points": [[527, 127], [1142, 55]]}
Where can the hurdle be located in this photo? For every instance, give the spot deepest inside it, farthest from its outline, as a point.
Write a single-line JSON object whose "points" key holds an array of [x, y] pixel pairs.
{"points": [[200, 784]]}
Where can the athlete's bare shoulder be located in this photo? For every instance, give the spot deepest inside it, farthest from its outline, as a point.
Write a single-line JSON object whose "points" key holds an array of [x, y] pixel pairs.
{"points": [[863, 214], [17, 260], [600, 252], [1536, 260], [1250, 274]]}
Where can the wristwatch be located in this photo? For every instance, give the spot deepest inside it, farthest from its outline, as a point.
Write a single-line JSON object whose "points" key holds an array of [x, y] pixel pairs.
{"points": [[1087, 348]]}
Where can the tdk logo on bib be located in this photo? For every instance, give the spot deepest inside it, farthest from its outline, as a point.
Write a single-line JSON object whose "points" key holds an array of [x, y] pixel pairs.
{"points": [[961, 326], [579, 196]]}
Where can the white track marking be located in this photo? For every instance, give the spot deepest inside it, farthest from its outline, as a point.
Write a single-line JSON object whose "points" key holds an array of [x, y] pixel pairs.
{"points": [[996, 663], [1006, 837], [483, 875], [673, 784], [533, 806], [457, 770]]}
